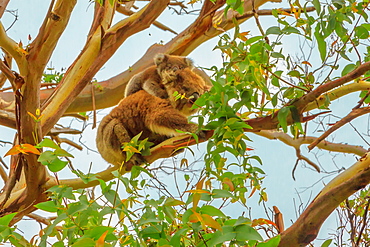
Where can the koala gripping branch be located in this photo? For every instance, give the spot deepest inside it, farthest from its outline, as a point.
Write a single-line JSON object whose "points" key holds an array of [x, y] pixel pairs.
{"points": [[163, 150]]}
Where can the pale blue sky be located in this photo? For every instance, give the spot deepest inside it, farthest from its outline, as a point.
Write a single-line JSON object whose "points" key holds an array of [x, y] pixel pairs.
{"points": [[278, 159]]}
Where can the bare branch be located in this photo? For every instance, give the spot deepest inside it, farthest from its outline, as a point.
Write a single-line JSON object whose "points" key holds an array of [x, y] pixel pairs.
{"points": [[8, 62], [338, 93], [54, 25], [297, 142], [14, 50], [123, 10], [269, 12], [3, 174], [39, 218], [356, 112]]}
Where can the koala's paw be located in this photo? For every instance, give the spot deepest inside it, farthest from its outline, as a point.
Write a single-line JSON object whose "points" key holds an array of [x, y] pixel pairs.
{"points": [[136, 160], [202, 135]]}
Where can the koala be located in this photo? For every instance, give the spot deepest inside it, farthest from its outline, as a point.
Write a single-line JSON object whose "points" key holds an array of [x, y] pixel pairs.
{"points": [[166, 68], [156, 118]]}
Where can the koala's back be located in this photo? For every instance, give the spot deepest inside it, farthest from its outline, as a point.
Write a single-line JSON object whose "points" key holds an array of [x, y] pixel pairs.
{"points": [[130, 117]]}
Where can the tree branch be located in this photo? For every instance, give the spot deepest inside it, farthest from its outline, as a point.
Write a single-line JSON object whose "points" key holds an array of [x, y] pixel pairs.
{"points": [[98, 50], [313, 95], [352, 115], [123, 10], [163, 150], [56, 20], [338, 93], [14, 50], [3, 4], [307, 226], [297, 142]]}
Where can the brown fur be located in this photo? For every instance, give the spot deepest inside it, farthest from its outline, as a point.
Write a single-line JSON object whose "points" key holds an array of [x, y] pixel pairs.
{"points": [[166, 68], [157, 119]]}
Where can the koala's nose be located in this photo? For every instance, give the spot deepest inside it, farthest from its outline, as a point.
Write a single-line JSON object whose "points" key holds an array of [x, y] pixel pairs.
{"points": [[194, 97]]}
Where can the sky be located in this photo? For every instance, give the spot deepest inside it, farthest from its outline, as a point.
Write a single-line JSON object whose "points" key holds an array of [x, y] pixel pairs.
{"points": [[278, 161]]}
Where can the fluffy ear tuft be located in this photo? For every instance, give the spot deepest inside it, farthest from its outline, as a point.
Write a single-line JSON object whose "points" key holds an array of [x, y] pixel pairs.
{"points": [[160, 58], [189, 62]]}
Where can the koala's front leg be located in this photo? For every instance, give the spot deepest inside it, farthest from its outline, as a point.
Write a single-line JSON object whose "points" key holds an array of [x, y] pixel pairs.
{"points": [[123, 137], [166, 122]]}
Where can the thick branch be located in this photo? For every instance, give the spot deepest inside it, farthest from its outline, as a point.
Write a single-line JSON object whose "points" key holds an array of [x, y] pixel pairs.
{"points": [[163, 150], [14, 50], [307, 226], [56, 20], [3, 4], [326, 87], [338, 93], [7, 119]]}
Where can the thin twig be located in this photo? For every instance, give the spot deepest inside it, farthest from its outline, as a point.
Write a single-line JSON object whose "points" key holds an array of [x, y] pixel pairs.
{"points": [[352, 115], [364, 223]]}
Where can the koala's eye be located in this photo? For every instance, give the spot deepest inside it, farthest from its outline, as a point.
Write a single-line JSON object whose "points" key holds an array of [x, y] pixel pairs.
{"points": [[194, 97]]}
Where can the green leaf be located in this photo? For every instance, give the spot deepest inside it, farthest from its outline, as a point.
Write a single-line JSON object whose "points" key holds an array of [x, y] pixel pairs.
{"points": [[5, 220], [316, 4], [96, 232], [76, 207], [348, 68], [176, 239], [295, 114], [63, 153], [327, 243], [274, 79], [223, 236], [289, 30], [273, 30], [84, 242], [217, 193], [212, 211], [273, 242], [294, 73], [242, 221], [57, 165], [48, 206], [173, 202], [277, 55], [361, 32], [245, 232], [282, 118], [152, 232], [321, 43], [46, 142]]}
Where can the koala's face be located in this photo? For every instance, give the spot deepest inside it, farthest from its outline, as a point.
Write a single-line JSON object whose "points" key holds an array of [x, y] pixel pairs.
{"points": [[168, 66], [188, 84]]}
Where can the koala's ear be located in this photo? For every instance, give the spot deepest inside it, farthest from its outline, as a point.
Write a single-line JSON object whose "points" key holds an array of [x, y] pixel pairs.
{"points": [[189, 62], [160, 58]]}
